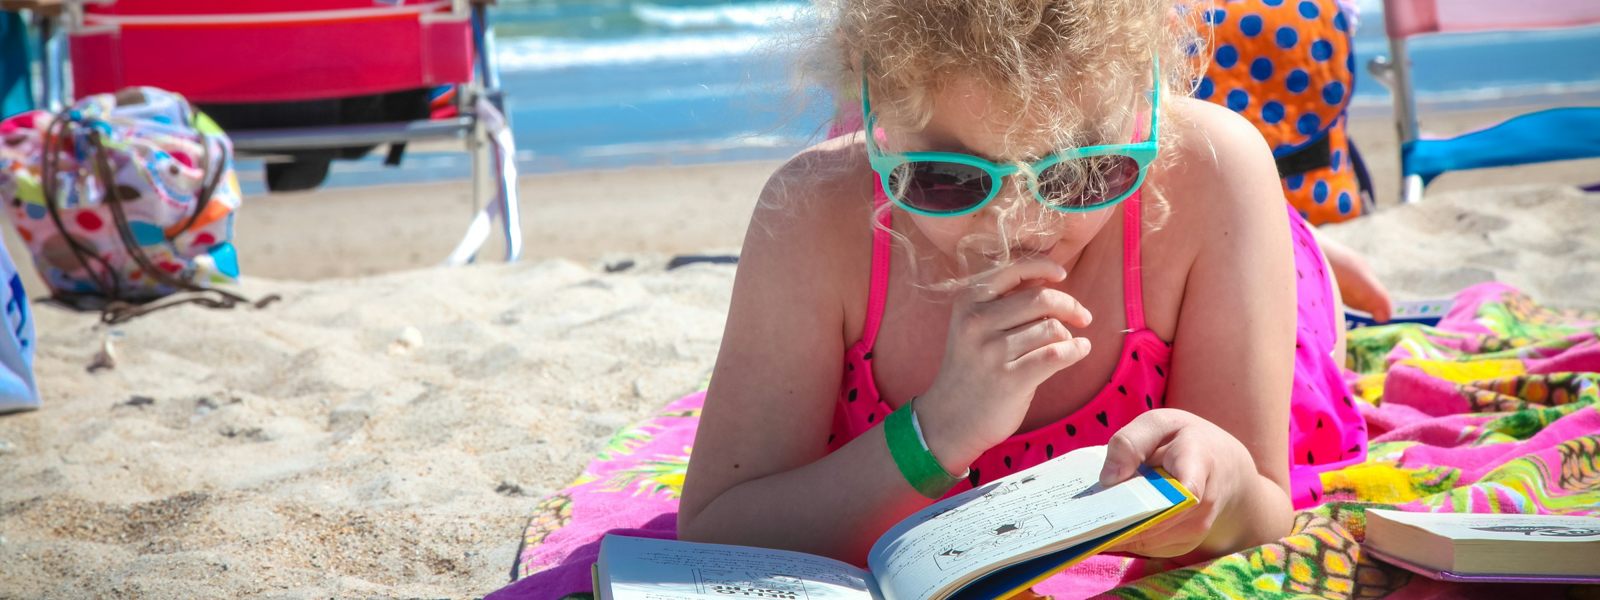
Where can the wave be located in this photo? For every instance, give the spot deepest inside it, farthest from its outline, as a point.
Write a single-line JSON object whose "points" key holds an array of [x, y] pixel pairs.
{"points": [[755, 15], [543, 54], [1533, 94]]}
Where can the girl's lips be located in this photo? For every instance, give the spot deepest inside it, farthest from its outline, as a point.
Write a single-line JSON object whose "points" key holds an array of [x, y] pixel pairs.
{"points": [[1024, 251]]}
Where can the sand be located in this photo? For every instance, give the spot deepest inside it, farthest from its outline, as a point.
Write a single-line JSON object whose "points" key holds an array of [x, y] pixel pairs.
{"points": [[385, 429], [377, 437]]}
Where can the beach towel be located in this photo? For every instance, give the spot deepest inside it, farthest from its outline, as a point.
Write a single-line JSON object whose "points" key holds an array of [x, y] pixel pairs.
{"points": [[1493, 410]]}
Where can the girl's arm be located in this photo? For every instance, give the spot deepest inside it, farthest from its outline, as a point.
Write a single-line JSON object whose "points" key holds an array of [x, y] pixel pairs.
{"points": [[760, 473], [1233, 351]]}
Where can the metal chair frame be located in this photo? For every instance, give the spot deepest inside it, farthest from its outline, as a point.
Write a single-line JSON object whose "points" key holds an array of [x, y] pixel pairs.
{"points": [[1394, 71], [271, 143]]}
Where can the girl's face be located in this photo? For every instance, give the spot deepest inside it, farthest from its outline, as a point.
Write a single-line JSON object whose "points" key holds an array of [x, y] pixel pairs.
{"points": [[1014, 225]]}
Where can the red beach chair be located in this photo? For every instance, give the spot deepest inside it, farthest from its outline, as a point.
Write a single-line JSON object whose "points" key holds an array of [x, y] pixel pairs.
{"points": [[301, 82]]}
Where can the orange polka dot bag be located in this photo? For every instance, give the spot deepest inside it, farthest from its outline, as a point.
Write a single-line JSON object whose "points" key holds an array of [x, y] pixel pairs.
{"points": [[124, 197], [1287, 66]]}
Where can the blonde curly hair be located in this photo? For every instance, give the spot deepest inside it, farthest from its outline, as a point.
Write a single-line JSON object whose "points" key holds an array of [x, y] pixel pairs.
{"points": [[1072, 70]]}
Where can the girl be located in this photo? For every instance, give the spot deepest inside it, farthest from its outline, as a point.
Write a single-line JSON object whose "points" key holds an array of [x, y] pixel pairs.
{"points": [[1037, 243]]}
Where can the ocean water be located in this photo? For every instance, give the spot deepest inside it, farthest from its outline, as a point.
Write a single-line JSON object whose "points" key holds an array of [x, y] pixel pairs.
{"points": [[601, 84]]}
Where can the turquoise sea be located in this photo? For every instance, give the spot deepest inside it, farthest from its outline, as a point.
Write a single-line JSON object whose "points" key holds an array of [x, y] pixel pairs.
{"points": [[600, 84]]}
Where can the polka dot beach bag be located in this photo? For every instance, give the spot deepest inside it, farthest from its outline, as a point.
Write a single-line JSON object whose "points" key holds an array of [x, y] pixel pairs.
{"points": [[1287, 66], [122, 199]]}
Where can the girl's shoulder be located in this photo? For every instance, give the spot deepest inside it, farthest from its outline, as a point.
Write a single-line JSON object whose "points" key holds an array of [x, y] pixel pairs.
{"points": [[820, 197], [1216, 199], [813, 224], [1219, 171]]}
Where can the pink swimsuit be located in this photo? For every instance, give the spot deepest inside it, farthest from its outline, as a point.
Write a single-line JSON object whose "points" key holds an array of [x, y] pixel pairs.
{"points": [[1326, 431]]}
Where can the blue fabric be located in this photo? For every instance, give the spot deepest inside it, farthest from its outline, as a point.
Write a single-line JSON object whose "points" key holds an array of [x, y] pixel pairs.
{"points": [[17, 388], [1544, 136], [16, 87]]}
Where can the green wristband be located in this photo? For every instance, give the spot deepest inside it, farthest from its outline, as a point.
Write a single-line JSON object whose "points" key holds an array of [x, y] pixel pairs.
{"points": [[911, 454]]}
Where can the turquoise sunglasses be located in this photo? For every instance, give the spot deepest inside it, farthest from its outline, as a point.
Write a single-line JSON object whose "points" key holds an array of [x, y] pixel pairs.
{"points": [[950, 184]]}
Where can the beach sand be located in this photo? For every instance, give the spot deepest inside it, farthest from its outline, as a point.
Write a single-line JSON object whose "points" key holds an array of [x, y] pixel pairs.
{"points": [[386, 428]]}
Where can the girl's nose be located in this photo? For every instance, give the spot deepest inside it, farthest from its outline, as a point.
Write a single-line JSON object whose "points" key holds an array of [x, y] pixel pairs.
{"points": [[1014, 208]]}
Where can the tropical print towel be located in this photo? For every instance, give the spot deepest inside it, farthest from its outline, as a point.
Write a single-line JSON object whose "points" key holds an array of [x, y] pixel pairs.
{"points": [[1493, 411]]}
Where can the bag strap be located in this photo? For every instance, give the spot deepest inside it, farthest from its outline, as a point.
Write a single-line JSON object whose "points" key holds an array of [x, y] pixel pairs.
{"points": [[47, 186], [121, 309], [212, 177]]}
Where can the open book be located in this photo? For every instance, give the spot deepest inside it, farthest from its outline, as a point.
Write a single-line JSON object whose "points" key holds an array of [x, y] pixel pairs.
{"points": [[1487, 547], [986, 543]]}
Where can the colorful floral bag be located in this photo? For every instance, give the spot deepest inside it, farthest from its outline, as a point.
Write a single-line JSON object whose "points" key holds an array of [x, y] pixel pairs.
{"points": [[123, 199]]}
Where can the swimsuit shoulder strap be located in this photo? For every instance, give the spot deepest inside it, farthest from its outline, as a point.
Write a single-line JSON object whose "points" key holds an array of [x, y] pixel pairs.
{"points": [[878, 293], [1132, 286]]}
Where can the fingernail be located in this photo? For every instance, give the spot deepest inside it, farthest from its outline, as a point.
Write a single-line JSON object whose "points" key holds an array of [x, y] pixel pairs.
{"points": [[1110, 474], [1082, 342]]}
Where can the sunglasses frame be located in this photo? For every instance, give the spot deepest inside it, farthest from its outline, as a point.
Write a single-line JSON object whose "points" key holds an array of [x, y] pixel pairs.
{"points": [[885, 162]]}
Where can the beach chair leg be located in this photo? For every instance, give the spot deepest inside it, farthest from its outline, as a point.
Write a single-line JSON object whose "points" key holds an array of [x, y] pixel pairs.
{"points": [[466, 250], [1411, 189], [52, 63], [1405, 115], [506, 178]]}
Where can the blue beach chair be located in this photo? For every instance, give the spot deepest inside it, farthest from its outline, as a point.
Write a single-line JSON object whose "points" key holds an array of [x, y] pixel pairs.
{"points": [[1543, 136]]}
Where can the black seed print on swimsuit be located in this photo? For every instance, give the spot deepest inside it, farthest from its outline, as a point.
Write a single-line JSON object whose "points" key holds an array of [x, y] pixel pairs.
{"points": [[1008, 462], [1071, 431], [1315, 497], [1160, 372], [1310, 460], [972, 477], [1135, 356], [1319, 422], [853, 395], [867, 356], [871, 416], [1123, 390], [1101, 418], [1354, 450], [1149, 402], [1049, 451], [830, 438]]}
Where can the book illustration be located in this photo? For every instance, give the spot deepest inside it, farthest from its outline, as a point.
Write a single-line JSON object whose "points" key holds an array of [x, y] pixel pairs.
{"points": [[1543, 531], [747, 584], [997, 539]]}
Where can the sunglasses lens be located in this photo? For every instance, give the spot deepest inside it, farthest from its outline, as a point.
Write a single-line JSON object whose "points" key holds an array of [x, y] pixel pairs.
{"points": [[939, 187], [1088, 182]]}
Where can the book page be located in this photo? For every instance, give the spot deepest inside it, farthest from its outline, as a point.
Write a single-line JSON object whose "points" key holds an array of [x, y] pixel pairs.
{"points": [[651, 569], [1505, 527], [1052, 505]]}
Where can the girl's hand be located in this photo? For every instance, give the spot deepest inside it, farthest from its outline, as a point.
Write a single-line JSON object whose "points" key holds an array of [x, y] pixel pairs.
{"points": [[1212, 464], [1359, 287], [1008, 333]]}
